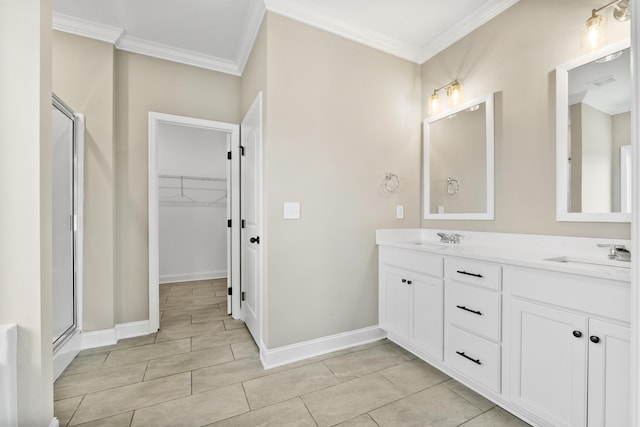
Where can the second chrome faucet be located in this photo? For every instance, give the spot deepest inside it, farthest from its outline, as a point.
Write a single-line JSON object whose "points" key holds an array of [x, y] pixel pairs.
{"points": [[617, 252], [449, 238]]}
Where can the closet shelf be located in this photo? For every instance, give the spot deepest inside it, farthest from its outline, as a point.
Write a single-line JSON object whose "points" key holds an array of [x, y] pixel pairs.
{"points": [[184, 190]]}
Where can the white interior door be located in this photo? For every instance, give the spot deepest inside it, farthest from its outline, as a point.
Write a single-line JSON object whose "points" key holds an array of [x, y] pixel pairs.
{"points": [[252, 240]]}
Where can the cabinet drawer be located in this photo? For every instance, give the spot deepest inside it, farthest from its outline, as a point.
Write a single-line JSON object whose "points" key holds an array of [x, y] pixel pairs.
{"points": [[474, 272], [420, 262], [600, 297], [473, 308], [473, 356]]}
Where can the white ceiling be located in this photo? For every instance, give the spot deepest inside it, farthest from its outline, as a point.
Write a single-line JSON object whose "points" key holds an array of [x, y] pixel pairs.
{"points": [[219, 34], [604, 86]]}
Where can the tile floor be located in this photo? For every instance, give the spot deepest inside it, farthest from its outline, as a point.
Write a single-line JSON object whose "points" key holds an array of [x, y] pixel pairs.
{"points": [[202, 369]]}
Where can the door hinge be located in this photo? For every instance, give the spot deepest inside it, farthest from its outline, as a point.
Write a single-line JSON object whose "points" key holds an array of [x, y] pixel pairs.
{"points": [[228, 155], [229, 291], [242, 224], [242, 150], [228, 223], [244, 296]]}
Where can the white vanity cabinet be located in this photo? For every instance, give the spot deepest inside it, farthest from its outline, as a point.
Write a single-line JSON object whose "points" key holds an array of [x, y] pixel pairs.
{"points": [[411, 299], [548, 342], [569, 347]]}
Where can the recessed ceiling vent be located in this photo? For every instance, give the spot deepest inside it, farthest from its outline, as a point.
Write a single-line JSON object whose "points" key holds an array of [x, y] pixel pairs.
{"points": [[603, 81]]}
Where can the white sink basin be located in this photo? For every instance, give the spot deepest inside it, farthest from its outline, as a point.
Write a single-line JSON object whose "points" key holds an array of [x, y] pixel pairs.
{"points": [[434, 245], [591, 261]]}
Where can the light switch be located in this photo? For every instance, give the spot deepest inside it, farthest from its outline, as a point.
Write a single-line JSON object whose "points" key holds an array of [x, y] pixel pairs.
{"points": [[291, 210], [399, 212]]}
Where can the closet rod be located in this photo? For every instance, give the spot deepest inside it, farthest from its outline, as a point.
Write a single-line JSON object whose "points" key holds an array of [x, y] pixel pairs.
{"points": [[199, 178]]}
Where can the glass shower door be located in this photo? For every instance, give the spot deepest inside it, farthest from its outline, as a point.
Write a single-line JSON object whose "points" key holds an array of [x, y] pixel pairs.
{"points": [[63, 220]]}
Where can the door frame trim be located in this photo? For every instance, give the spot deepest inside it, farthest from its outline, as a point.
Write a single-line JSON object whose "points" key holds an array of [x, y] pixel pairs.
{"points": [[155, 119]]}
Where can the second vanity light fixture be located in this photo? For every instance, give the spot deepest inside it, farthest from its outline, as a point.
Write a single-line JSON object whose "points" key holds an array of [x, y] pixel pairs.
{"points": [[454, 95], [594, 32]]}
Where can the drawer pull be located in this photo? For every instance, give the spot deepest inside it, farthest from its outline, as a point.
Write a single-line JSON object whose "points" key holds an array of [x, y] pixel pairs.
{"points": [[462, 307], [466, 273], [476, 361]]}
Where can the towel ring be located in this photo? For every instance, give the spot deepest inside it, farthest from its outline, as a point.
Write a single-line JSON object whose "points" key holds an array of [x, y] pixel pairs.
{"points": [[453, 186], [391, 182]]}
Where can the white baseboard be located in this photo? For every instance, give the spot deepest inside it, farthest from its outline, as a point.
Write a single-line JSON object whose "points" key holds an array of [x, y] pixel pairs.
{"points": [[9, 375], [132, 329], [66, 353], [191, 277], [54, 422], [279, 356], [111, 336], [99, 338]]}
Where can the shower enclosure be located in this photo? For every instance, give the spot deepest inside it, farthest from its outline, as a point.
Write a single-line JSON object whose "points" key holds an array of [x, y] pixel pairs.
{"points": [[66, 183]]}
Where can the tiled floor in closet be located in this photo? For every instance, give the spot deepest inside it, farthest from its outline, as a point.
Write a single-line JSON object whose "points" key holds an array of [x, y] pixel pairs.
{"points": [[202, 368]]}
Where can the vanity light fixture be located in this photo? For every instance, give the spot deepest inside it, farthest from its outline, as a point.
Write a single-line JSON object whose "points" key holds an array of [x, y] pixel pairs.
{"points": [[594, 32], [454, 95]]}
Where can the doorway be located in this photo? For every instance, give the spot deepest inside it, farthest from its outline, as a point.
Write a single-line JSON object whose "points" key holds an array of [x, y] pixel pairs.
{"points": [[193, 187]]}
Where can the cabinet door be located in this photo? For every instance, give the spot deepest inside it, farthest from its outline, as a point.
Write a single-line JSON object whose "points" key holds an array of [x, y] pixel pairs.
{"points": [[396, 306], [609, 375], [427, 315], [548, 363]]}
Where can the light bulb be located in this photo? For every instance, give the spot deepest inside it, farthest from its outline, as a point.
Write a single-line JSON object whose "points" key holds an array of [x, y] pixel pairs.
{"points": [[594, 32], [434, 103], [454, 94]]}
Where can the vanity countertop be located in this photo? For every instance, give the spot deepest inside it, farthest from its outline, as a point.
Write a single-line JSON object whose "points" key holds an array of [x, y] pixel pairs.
{"points": [[533, 251]]}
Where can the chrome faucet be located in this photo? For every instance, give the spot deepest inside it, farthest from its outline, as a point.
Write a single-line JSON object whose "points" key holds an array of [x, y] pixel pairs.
{"points": [[449, 238], [617, 252]]}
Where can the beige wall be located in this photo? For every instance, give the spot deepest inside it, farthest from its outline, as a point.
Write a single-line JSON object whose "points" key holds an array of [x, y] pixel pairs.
{"points": [[621, 124], [340, 115], [254, 76], [25, 191], [146, 84], [83, 78], [515, 55], [597, 150], [116, 90], [448, 137], [575, 153]]}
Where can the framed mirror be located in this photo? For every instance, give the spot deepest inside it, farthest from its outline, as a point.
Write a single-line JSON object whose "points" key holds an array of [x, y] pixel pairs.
{"points": [[593, 136], [458, 162]]}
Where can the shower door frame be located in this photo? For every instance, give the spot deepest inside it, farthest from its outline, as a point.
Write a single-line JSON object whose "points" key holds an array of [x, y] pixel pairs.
{"points": [[68, 342]]}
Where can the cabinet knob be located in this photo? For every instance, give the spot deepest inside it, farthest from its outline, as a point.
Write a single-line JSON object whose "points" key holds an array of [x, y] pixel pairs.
{"points": [[594, 339], [408, 282], [577, 334], [404, 280]]}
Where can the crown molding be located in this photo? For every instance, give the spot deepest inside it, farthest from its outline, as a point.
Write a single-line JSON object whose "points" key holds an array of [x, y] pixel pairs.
{"points": [[123, 41], [315, 17], [320, 19], [86, 28], [479, 17], [250, 32], [182, 56]]}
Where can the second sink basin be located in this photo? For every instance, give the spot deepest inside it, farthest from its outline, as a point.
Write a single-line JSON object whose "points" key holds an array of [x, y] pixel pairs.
{"points": [[591, 261]]}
